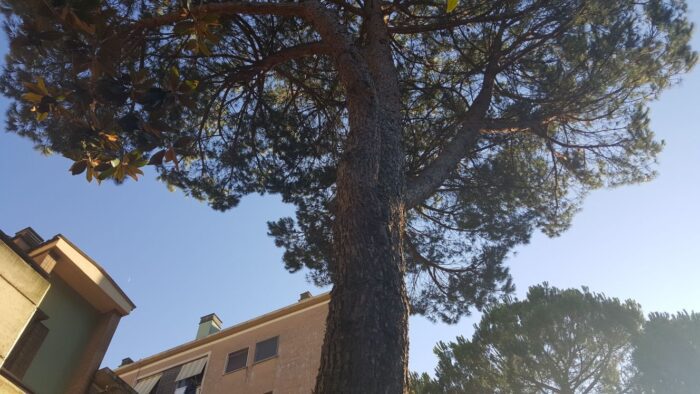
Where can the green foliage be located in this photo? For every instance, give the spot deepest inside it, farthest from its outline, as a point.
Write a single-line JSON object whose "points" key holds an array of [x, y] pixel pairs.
{"points": [[216, 103], [667, 354], [421, 384], [451, 5], [554, 341]]}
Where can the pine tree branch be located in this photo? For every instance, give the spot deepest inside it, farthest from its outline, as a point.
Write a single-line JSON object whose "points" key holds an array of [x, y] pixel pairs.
{"points": [[422, 186], [427, 263], [428, 181], [347, 57], [448, 23], [271, 61], [347, 7], [227, 8]]}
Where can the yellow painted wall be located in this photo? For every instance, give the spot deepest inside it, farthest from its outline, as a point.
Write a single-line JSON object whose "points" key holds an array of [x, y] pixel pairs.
{"points": [[21, 290], [7, 387]]}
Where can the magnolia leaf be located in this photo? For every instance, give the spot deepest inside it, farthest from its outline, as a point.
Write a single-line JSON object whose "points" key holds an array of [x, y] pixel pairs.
{"points": [[133, 158], [183, 28], [32, 97], [451, 5], [42, 86], [106, 174], [211, 36], [157, 158], [40, 116], [170, 155], [139, 77], [203, 48], [82, 25], [148, 127], [110, 137], [140, 162], [119, 173], [183, 142], [39, 87], [78, 167], [192, 45], [133, 171], [129, 122], [103, 166], [45, 150]]}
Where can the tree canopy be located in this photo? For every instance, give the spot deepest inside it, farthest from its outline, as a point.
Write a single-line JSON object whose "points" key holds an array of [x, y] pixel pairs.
{"points": [[667, 354], [554, 341], [419, 146], [511, 111]]}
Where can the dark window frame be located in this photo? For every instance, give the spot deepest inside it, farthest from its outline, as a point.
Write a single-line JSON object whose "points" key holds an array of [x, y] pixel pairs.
{"points": [[191, 384], [228, 360], [257, 359], [26, 348]]}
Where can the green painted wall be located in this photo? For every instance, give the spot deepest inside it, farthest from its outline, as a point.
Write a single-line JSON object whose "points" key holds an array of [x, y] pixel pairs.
{"points": [[71, 320]]}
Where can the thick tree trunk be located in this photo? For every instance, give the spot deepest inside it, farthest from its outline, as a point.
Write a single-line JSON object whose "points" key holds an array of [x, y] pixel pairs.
{"points": [[366, 342], [365, 347]]}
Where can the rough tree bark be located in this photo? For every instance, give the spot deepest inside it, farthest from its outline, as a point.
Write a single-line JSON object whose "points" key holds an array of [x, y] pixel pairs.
{"points": [[368, 307]]}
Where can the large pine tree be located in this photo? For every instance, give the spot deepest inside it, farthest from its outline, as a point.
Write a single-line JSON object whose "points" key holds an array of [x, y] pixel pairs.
{"points": [[553, 341], [667, 354], [419, 140]]}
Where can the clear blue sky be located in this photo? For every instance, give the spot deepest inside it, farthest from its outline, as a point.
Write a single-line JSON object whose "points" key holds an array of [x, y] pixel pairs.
{"points": [[179, 260]]}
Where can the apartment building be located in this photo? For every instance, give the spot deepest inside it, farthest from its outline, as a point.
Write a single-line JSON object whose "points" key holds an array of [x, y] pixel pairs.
{"points": [[276, 353], [58, 313]]}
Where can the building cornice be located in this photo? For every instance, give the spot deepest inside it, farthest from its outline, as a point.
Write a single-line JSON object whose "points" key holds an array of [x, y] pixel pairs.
{"points": [[91, 270]]}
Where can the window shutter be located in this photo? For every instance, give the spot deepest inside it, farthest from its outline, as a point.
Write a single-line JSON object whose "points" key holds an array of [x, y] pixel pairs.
{"points": [[237, 360], [266, 349]]}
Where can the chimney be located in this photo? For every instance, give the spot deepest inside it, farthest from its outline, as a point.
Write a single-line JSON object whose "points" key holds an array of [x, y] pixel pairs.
{"points": [[27, 239], [208, 325], [304, 295], [126, 361]]}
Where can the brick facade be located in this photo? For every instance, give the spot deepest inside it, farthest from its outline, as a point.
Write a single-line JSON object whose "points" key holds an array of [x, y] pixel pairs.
{"points": [[300, 328]]}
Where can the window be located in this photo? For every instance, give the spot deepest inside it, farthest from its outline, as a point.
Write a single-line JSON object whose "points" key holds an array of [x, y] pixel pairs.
{"points": [[190, 385], [189, 378], [237, 360], [26, 348], [148, 385], [266, 349]]}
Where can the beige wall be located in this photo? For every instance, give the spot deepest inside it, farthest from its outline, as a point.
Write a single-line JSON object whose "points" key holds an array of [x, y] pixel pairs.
{"points": [[7, 387], [292, 371], [21, 291]]}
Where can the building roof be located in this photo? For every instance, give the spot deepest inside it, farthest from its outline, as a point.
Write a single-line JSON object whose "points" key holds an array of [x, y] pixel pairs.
{"points": [[86, 276], [227, 332]]}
